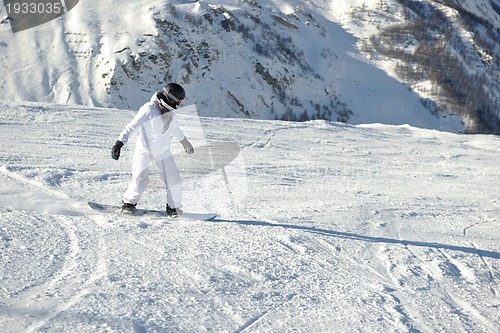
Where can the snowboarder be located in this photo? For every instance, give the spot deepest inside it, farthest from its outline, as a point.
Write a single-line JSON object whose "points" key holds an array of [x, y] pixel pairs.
{"points": [[157, 122]]}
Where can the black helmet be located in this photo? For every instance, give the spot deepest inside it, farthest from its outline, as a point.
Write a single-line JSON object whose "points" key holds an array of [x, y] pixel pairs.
{"points": [[172, 94]]}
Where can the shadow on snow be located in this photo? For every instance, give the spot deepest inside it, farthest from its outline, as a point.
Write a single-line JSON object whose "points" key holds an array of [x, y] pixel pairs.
{"points": [[373, 239]]}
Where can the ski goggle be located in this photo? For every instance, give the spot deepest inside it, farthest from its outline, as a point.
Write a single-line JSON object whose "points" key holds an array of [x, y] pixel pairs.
{"points": [[178, 101]]}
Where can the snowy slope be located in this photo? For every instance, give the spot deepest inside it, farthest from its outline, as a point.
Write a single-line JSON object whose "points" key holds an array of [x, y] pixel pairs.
{"points": [[264, 60], [329, 228]]}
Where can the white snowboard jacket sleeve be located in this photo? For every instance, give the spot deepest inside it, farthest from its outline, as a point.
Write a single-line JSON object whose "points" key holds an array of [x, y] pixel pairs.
{"points": [[143, 115], [146, 113]]}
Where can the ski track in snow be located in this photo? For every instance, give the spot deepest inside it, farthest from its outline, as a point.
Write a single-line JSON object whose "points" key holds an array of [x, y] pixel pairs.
{"points": [[40, 301], [343, 228]]}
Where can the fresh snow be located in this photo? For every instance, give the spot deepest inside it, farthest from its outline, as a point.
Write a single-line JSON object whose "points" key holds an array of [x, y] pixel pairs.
{"points": [[322, 227]]}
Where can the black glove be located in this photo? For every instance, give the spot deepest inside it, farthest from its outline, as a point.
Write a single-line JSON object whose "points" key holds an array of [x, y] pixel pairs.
{"points": [[115, 151]]}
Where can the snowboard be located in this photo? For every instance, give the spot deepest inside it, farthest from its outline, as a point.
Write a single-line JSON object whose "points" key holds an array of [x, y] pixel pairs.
{"points": [[151, 212]]}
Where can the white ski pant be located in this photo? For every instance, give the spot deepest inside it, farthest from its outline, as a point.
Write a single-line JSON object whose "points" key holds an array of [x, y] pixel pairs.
{"points": [[169, 173]]}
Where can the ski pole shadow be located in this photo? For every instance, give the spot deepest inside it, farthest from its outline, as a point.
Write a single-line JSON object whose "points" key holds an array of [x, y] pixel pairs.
{"points": [[372, 239]]}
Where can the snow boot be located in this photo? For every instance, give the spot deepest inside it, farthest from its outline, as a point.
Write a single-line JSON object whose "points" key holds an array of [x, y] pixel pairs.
{"points": [[128, 208], [173, 212]]}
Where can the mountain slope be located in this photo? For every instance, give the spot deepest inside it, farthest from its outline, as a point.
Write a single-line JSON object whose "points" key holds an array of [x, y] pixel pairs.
{"points": [[323, 227], [447, 50], [268, 60]]}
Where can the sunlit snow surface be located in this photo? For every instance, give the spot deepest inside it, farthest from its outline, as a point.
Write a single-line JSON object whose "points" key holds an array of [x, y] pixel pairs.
{"points": [[329, 228]]}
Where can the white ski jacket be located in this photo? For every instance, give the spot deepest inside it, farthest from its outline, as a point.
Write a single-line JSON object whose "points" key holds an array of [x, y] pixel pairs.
{"points": [[156, 130]]}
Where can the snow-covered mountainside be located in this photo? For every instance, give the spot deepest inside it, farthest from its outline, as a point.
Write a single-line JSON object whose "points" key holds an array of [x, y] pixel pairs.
{"points": [[447, 50], [322, 227], [256, 59]]}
